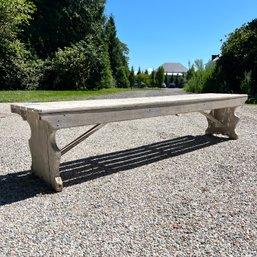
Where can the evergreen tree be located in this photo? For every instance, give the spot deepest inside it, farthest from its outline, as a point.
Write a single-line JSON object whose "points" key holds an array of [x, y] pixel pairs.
{"points": [[67, 45], [190, 72], [172, 79], [177, 80], [117, 54], [70, 34], [139, 71], [132, 77], [61, 23], [166, 79], [153, 82], [160, 76]]}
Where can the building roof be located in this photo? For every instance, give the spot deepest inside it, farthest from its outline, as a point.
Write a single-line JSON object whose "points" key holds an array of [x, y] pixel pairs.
{"points": [[172, 67]]}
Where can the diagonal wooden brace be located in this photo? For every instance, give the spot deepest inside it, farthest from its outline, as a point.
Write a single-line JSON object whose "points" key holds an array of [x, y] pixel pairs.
{"points": [[45, 154], [81, 138]]}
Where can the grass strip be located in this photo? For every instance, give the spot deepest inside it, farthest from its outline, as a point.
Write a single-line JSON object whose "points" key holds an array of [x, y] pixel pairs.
{"points": [[50, 95]]}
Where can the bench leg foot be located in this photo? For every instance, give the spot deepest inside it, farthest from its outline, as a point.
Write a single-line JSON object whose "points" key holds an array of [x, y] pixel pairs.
{"points": [[45, 154], [226, 125]]}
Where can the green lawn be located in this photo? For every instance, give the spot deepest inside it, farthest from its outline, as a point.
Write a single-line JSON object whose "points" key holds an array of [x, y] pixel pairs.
{"points": [[44, 96]]}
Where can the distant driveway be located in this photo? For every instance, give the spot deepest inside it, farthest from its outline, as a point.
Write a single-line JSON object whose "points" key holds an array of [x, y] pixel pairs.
{"points": [[145, 93]]}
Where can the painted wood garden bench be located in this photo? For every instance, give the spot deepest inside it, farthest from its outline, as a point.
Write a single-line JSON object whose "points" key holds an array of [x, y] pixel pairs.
{"points": [[47, 117]]}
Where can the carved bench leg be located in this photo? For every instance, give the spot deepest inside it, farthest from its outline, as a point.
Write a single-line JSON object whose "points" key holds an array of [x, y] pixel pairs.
{"points": [[44, 152], [227, 121]]}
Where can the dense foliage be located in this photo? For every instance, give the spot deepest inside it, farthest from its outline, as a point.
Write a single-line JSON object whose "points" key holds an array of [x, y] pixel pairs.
{"points": [[61, 44], [16, 68], [236, 69], [201, 77], [117, 52], [239, 59]]}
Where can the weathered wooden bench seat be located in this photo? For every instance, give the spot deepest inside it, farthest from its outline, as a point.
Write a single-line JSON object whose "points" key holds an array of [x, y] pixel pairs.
{"points": [[46, 118]]}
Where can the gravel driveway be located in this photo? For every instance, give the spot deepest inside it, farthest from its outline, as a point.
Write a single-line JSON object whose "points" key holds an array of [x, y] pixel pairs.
{"points": [[152, 187]]}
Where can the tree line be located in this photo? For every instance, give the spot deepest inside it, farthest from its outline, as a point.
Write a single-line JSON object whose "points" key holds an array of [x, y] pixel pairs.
{"points": [[155, 78], [235, 71], [61, 44]]}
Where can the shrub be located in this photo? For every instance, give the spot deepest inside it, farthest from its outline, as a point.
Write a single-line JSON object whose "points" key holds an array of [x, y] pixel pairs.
{"points": [[67, 70], [82, 66], [203, 78], [19, 69], [143, 79]]}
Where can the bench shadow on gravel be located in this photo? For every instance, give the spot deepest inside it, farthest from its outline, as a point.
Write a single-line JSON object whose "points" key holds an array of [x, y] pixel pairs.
{"points": [[23, 185]]}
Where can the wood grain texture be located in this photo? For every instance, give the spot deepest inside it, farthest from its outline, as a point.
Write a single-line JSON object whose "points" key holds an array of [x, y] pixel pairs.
{"points": [[112, 104]]}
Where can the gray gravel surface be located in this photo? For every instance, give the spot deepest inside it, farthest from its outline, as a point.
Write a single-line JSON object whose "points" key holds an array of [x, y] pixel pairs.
{"points": [[152, 187]]}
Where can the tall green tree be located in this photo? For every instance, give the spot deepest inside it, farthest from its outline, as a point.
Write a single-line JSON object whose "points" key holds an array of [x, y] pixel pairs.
{"points": [[132, 77], [160, 76], [12, 14], [16, 68], [166, 78], [61, 23], [190, 72], [152, 76], [61, 44], [118, 52], [239, 56], [177, 80], [70, 36], [172, 79]]}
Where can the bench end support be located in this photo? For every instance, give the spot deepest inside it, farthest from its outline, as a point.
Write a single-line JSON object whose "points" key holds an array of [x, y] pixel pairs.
{"points": [[45, 154], [226, 122]]}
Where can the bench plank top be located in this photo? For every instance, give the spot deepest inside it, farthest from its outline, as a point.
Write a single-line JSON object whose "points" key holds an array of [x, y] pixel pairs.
{"points": [[156, 101]]}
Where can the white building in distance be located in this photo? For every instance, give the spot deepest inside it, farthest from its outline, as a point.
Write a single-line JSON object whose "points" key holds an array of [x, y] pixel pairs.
{"points": [[172, 68]]}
